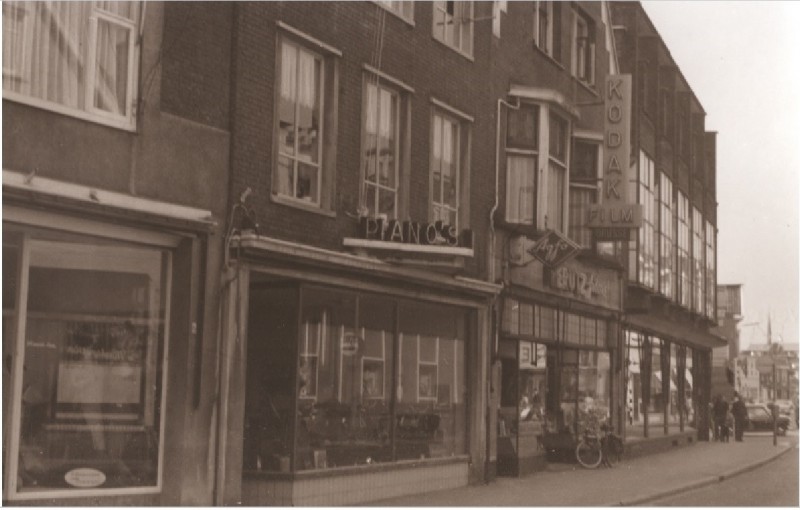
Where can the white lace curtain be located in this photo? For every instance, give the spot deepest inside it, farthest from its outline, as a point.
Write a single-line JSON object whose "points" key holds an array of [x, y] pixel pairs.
{"points": [[47, 46]]}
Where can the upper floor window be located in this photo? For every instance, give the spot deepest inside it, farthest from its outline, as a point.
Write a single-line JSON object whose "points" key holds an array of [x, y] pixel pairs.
{"points": [[449, 158], [75, 58], [498, 6], [698, 279], [583, 47], [667, 239], [546, 28], [404, 9], [711, 270], [536, 138], [452, 25], [684, 270], [304, 125], [381, 151], [666, 113], [583, 182], [648, 243]]}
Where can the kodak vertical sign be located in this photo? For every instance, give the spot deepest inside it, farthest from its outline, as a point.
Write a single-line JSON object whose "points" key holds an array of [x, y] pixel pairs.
{"points": [[615, 215]]}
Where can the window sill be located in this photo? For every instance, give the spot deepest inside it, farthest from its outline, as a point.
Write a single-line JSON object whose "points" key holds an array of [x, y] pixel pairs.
{"points": [[302, 205], [354, 470], [453, 48], [549, 57], [590, 87], [123, 124]]}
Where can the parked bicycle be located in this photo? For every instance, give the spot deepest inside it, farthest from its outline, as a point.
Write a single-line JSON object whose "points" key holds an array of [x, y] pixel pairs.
{"points": [[594, 449]]}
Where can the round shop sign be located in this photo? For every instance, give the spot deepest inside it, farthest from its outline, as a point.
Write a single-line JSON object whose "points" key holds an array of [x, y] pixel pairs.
{"points": [[85, 477]]}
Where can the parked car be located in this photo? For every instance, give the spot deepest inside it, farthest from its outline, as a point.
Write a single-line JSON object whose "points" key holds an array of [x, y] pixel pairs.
{"points": [[785, 408], [760, 418]]}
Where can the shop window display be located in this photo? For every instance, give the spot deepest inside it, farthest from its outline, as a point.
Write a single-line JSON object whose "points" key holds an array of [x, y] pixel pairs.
{"points": [[91, 341], [376, 380], [674, 413], [634, 390]]}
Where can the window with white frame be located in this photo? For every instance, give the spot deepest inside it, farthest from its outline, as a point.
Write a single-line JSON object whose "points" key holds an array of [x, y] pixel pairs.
{"points": [[498, 6], [537, 138], [75, 58], [452, 24], [684, 270], [403, 8], [448, 167], [711, 270], [648, 242], [583, 47], [666, 274], [302, 174], [381, 151], [583, 183], [698, 245], [427, 367], [308, 371], [545, 27], [556, 176], [373, 364]]}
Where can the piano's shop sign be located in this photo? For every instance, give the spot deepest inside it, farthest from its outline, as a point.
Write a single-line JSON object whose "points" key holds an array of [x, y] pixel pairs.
{"points": [[434, 237]]}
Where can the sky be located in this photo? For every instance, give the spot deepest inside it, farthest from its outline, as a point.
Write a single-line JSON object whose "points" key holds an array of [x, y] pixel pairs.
{"points": [[741, 61]]}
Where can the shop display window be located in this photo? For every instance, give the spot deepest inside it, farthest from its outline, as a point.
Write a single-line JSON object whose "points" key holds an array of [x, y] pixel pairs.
{"points": [[634, 394], [353, 379], [674, 402], [88, 378], [688, 391]]}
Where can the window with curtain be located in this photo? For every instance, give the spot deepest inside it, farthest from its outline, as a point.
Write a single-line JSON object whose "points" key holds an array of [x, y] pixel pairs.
{"points": [[711, 271], [583, 182], [522, 152], [299, 123], [698, 277], [543, 26], [648, 242], [76, 58], [684, 269], [452, 25], [446, 168], [666, 270], [381, 149]]}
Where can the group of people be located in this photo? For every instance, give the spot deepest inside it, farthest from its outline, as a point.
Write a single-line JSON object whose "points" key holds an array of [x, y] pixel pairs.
{"points": [[729, 417]]}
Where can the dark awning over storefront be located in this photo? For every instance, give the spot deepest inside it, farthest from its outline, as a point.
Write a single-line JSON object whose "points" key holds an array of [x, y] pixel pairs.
{"points": [[674, 330]]}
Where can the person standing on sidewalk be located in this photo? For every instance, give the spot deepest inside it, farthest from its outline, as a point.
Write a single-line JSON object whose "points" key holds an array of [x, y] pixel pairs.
{"points": [[720, 413], [739, 411]]}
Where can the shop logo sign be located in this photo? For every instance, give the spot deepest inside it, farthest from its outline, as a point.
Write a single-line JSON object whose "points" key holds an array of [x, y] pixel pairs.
{"points": [[350, 344], [553, 249], [85, 477]]}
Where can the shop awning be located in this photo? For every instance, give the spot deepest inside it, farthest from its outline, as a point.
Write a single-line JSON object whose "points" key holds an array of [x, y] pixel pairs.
{"points": [[31, 189], [674, 330]]}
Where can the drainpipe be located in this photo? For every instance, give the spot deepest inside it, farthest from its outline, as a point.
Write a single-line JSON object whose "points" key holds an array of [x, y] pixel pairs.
{"points": [[490, 256]]}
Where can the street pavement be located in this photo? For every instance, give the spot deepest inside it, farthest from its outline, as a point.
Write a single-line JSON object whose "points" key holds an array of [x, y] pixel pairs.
{"points": [[632, 482]]}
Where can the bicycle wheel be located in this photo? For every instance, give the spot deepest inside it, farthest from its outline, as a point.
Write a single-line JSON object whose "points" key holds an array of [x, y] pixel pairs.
{"points": [[589, 454]]}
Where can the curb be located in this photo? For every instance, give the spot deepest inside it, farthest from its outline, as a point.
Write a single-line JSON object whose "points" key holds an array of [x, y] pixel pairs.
{"points": [[697, 484]]}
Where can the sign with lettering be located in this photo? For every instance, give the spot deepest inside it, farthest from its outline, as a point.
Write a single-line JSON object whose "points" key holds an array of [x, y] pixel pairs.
{"points": [[586, 284], [553, 249], [616, 212], [412, 232]]}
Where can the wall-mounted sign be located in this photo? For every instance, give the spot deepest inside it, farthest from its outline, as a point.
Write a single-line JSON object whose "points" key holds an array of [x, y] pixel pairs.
{"points": [[586, 284], [350, 343], [411, 236], [616, 212], [552, 249]]}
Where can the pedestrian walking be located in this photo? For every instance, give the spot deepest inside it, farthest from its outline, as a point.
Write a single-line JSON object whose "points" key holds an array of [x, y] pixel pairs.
{"points": [[739, 411], [720, 413]]}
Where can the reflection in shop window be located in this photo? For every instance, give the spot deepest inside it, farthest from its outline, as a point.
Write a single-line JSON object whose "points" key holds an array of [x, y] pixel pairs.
{"points": [[93, 346], [367, 408]]}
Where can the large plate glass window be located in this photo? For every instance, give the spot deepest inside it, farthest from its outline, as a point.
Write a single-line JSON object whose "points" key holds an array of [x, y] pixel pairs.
{"points": [[666, 274], [76, 58], [89, 378], [648, 242], [358, 379], [684, 269], [698, 262]]}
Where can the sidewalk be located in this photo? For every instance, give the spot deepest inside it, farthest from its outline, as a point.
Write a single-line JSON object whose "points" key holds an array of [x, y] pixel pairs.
{"points": [[631, 482]]}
